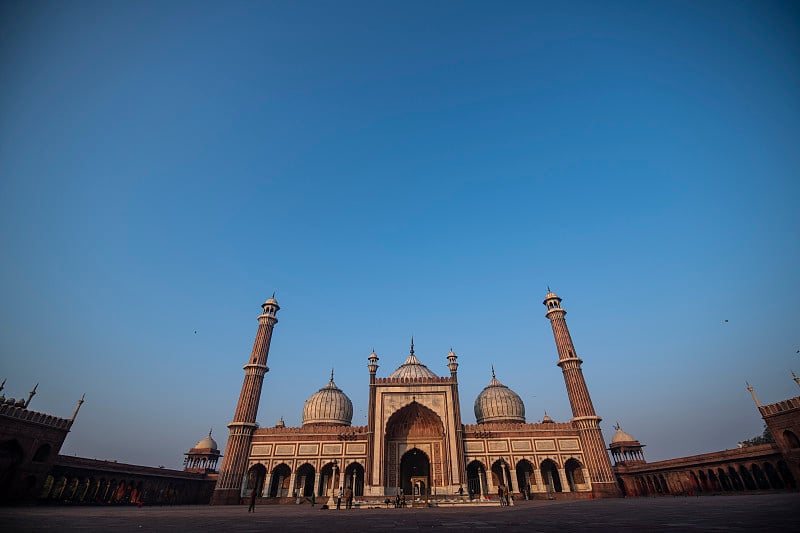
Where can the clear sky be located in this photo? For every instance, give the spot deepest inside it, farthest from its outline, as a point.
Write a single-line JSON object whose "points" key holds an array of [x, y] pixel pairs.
{"points": [[394, 169]]}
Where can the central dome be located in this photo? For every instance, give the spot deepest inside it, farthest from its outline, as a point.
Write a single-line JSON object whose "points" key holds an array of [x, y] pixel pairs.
{"points": [[498, 403], [412, 368], [328, 406]]}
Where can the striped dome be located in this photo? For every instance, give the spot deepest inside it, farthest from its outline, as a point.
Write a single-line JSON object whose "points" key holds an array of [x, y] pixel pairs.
{"points": [[329, 406], [412, 368], [498, 403]]}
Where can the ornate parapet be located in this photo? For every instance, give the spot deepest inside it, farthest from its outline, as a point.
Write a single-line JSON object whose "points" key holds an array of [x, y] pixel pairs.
{"points": [[20, 413], [779, 408]]}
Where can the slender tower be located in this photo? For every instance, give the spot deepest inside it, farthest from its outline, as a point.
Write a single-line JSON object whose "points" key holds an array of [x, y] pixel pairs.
{"points": [[452, 364], [584, 417], [373, 369], [234, 463]]}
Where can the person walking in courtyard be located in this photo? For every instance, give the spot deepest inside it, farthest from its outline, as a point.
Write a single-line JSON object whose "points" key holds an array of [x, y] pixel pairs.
{"points": [[252, 508], [501, 494], [339, 499], [348, 496]]}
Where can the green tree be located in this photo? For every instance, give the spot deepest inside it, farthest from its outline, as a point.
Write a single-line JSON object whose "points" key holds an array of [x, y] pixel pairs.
{"points": [[764, 438]]}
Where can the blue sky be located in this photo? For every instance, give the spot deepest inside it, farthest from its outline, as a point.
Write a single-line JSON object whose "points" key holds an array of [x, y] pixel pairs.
{"points": [[398, 169]]}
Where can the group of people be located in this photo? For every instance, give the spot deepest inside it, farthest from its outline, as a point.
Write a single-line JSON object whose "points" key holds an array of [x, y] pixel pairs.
{"points": [[400, 501], [347, 494], [503, 494]]}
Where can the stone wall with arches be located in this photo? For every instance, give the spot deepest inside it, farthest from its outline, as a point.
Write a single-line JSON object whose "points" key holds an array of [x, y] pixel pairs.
{"points": [[78, 480], [754, 468]]}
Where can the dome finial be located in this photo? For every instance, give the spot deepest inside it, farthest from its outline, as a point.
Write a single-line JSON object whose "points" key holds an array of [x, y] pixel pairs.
{"points": [[493, 371], [209, 431], [331, 374], [412, 344]]}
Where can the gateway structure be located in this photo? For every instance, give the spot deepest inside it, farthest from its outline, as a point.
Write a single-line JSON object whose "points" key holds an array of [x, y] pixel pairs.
{"points": [[415, 440]]}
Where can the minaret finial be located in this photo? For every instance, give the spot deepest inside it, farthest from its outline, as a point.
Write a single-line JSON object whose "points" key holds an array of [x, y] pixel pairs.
{"points": [[331, 374], [78, 408], [493, 371], [548, 289], [753, 394], [31, 395], [412, 344]]}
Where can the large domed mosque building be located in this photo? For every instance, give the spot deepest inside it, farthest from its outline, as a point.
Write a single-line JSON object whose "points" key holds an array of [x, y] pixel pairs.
{"points": [[415, 442]]}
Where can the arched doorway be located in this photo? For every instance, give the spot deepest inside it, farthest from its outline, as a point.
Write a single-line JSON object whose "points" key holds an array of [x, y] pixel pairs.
{"points": [[305, 481], [791, 439], [695, 482], [279, 484], [255, 479], [786, 475], [414, 426], [775, 480], [476, 479], [550, 476], [501, 474], [525, 477], [735, 479], [415, 464], [326, 482], [574, 474], [723, 480], [747, 479], [11, 454], [761, 479], [354, 478]]}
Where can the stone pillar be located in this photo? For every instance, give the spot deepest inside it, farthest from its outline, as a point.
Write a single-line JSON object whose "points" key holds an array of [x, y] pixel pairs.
{"points": [[562, 475], [537, 479], [267, 485]]}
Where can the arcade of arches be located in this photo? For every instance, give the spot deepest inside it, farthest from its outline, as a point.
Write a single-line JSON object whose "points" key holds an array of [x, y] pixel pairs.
{"points": [[526, 479], [734, 476], [283, 482]]}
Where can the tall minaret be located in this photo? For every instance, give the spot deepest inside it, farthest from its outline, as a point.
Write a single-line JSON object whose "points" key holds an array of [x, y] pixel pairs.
{"points": [[373, 369], [584, 417], [234, 463], [452, 365]]}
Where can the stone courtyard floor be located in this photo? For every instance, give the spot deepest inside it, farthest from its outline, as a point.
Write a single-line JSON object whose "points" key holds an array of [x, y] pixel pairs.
{"points": [[754, 512]]}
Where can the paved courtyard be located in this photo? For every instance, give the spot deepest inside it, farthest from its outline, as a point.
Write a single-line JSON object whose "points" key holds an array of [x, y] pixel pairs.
{"points": [[767, 512]]}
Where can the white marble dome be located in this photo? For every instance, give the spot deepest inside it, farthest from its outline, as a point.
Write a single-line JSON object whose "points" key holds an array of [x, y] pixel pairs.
{"points": [[207, 443], [498, 403], [329, 406], [413, 368], [622, 436]]}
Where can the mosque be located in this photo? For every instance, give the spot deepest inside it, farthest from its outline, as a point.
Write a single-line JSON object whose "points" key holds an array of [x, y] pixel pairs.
{"points": [[415, 442]]}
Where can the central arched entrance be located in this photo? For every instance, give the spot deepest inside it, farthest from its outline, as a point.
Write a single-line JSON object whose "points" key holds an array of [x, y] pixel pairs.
{"points": [[414, 447], [415, 472]]}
